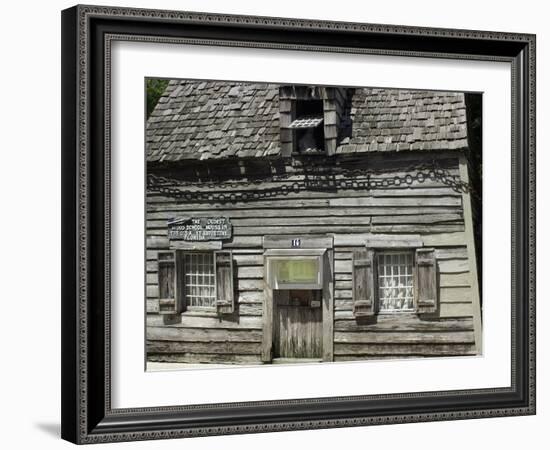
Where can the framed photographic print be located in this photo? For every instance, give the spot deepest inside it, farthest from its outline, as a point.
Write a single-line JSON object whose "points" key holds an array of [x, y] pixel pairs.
{"points": [[281, 224]]}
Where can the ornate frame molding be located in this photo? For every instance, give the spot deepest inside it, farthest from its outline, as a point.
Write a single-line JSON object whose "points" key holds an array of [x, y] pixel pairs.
{"points": [[86, 193]]}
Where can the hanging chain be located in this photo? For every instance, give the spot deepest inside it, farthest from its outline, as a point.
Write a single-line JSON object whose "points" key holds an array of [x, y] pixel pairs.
{"points": [[354, 179]]}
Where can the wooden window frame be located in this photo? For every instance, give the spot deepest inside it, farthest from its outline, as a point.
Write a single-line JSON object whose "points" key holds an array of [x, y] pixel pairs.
{"points": [[377, 243], [397, 251], [183, 273], [317, 128], [289, 95]]}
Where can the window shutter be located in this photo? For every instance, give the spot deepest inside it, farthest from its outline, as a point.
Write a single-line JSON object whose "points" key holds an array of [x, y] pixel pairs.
{"points": [[180, 282], [286, 116], [426, 281], [223, 270], [167, 283], [363, 283]]}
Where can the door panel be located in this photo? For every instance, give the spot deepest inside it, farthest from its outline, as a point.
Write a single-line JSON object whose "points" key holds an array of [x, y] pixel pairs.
{"points": [[298, 326]]}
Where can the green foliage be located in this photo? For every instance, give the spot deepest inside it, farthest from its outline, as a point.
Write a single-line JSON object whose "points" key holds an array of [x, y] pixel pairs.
{"points": [[155, 88]]}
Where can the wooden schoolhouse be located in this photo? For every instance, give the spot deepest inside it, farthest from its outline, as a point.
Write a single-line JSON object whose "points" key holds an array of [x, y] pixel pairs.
{"points": [[293, 223]]}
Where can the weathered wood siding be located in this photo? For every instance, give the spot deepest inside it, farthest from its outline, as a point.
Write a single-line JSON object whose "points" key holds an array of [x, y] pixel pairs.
{"points": [[403, 334], [432, 209]]}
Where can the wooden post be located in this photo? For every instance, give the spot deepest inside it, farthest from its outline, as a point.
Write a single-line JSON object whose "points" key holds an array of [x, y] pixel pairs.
{"points": [[267, 319], [328, 307]]}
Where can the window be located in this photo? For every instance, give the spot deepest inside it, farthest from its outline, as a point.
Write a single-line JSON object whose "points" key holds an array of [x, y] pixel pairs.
{"points": [[200, 282], [395, 281], [310, 119], [295, 268], [195, 279], [307, 127], [296, 271]]}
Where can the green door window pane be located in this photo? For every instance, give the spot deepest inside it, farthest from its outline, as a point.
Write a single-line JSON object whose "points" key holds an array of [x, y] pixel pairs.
{"points": [[297, 271]]}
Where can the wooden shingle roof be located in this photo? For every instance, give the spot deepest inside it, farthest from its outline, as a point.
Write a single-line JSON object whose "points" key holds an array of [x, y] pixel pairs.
{"points": [[218, 119]]}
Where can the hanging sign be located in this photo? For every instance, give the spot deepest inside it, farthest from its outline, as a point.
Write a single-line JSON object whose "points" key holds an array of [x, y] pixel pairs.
{"points": [[200, 228]]}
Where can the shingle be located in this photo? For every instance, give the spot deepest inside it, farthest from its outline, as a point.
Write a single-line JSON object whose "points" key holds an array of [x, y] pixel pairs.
{"points": [[212, 119]]}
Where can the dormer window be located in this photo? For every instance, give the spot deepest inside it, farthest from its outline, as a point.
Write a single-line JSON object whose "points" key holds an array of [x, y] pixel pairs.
{"points": [[307, 127], [309, 118]]}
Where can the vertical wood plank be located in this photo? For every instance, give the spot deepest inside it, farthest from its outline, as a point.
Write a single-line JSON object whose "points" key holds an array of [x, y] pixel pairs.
{"points": [[330, 146], [223, 265], [287, 112], [167, 280], [297, 327], [426, 281], [363, 267]]}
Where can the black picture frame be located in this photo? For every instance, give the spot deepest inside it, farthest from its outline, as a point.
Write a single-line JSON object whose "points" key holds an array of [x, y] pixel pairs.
{"points": [[87, 32]]}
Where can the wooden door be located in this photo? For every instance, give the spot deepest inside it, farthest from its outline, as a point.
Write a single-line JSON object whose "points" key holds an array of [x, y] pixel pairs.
{"points": [[298, 324]]}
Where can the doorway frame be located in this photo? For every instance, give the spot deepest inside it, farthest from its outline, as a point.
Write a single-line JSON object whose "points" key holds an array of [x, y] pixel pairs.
{"points": [[287, 247]]}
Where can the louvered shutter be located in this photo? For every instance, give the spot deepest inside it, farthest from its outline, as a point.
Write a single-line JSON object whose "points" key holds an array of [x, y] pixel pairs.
{"points": [[223, 269], [167, 288], [426, 269], [363, 283]]}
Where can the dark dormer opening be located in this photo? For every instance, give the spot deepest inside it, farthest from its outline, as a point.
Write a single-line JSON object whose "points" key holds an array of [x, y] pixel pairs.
{"points": [[310, 119], [307, 127]]}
